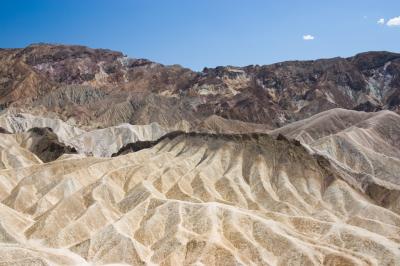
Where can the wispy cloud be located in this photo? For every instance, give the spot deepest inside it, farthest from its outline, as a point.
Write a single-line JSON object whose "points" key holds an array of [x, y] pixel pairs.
{"points": [[381, 21], [308, 37], [394, 22]]}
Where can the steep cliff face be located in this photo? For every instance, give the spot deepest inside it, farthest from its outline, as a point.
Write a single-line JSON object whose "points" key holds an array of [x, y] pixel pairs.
{"points": [[100, 87]]}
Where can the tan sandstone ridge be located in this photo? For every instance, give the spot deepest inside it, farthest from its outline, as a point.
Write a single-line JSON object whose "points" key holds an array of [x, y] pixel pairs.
{"points": [[207, 199], [365, 143], [99, 142]]}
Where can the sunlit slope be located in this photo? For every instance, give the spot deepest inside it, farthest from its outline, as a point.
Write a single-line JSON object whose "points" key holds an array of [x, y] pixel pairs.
{"points": [[366, 143], [198, 199]]}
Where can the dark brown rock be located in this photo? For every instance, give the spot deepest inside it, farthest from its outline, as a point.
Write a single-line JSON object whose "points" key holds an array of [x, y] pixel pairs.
{"points": [[102, 87], [45, 144]]}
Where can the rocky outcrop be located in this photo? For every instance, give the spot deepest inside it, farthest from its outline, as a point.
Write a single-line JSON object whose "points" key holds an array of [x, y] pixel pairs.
{"points": [[44, 143]]}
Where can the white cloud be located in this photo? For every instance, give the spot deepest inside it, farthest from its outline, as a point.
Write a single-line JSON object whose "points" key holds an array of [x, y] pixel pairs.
{"points": [[381, 21], [308, 37], [393, 22]]}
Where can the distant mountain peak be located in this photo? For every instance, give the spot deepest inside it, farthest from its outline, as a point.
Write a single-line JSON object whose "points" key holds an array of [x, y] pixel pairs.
{"points": [[39, 76]]}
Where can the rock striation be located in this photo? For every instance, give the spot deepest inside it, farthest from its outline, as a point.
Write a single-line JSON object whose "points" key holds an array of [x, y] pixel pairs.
{"points": [[366, 143], [98, 87], [197, 198], [109, 160], [98, 142]]}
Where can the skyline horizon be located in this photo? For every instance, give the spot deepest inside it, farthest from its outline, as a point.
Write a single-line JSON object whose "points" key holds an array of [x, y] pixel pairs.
{"points": [[207, 33], [201, 69]]}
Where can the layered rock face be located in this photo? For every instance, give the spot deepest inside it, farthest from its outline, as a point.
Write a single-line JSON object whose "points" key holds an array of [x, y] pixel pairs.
{"points": [[98, 142], [97, 87], [106, 160]]}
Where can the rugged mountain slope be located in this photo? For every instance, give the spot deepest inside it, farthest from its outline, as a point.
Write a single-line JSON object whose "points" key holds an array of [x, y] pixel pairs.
{"points": [[196, 199], [97, 142], [322, 124], [103, 88], [366, 143]]}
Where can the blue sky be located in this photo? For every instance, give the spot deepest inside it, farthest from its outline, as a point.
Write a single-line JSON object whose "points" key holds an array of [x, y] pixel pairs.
{"points": [[207, 33]]}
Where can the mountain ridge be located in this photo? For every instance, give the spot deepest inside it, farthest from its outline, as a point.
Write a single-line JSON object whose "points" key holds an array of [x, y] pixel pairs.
{"points": [[102, 88]]}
